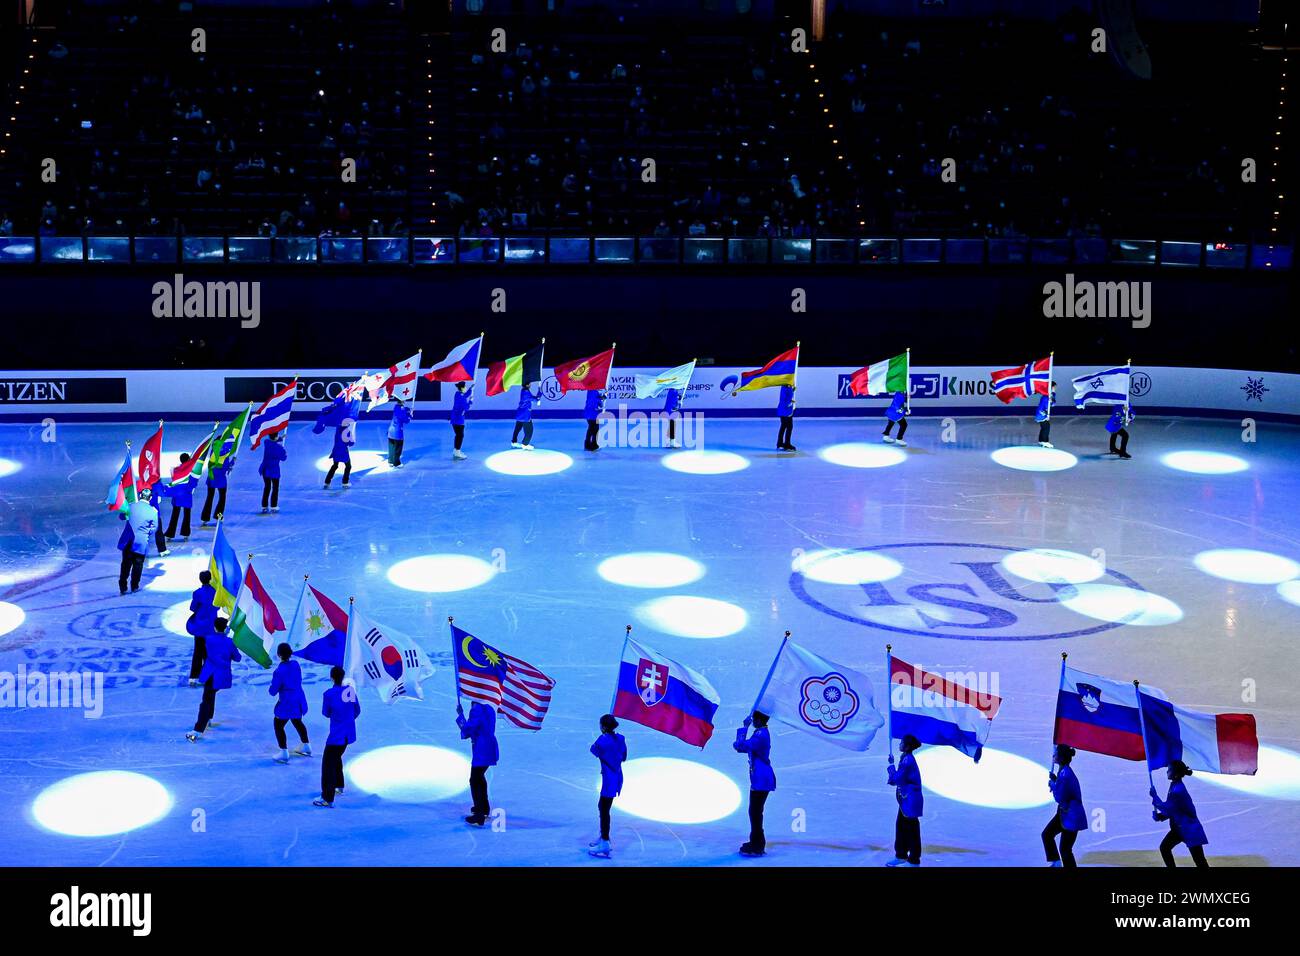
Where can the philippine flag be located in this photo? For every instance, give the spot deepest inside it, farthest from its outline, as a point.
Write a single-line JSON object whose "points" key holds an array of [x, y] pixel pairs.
{"points": [[1214, 743], [272, 417], [319, 629], [1023, 381], [460, 365], [936, 710], [382, 658], [661, 694], [1099, 714]]}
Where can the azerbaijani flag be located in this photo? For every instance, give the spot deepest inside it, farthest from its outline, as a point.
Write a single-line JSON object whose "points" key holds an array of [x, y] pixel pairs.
{"points": [[121, 491], [226, 572], [936, 710], [460, 365], [882, 378], [227, 443], [780, 371], [1214, 743], [197, 460], [585, 374], [520, 370], [256, 620]]}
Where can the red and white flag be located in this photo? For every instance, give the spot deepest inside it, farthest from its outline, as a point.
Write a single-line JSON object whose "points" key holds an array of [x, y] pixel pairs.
{"points": [[148, 471], [1023, 380], [398, 382], [196, 460]]}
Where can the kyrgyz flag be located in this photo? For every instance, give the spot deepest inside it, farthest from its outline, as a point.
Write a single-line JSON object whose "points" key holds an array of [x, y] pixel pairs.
{"points": [[225, 570], [227, 443], [149, 470], [121, 491], [197, 460], [256, 619], [521, 370], [882, 378], [585, 374]]}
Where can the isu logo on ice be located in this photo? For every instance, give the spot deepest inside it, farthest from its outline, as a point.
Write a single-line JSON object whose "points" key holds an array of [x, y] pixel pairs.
{"points": [[827, 702], [651, 681]]}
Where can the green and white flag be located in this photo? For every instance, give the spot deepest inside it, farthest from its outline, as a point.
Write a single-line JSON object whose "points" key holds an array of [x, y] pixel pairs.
{"points": [[882, 378]]}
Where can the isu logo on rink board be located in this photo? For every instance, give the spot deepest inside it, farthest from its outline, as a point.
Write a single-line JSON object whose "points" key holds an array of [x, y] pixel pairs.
{"points": [[964, 592]]}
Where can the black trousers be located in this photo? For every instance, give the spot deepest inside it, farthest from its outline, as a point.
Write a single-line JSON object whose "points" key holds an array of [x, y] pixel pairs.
{"points": [[331, 771], [395, 450], [347, 472], [270, 492], [460, 435], [672, 427], [902, 427], [527, 429], [603, 807], [478, 790], [207, 706], [907, 838], [1171, 840], [185, 524], [1044, 430], [785, 431], [198, 657], [160, 538], [1119, 442], [593, 429], [133, 567], [757, 800], [221, 503], [298, 725], [1066, 856]]}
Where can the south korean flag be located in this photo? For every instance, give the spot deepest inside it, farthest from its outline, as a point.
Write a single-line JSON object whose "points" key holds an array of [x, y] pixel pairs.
{"points": [[382, 658]]}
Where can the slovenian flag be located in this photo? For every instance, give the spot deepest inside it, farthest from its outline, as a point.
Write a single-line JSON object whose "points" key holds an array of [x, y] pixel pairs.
{"points": [[779, 371], [382, 658], [121, 491], [460, 365], [272, 416], [882, 378], [1099, 715], [1214, 743], [225, 570], [1108, 387], [659, 693], [1023, 380], [520, 370], [585, 374], [256, 620], [936, 710], [652, 386], [319, 630]]}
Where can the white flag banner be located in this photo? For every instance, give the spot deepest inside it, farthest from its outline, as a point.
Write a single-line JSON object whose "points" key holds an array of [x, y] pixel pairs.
{"points": [[822, 698], [1109, 387], [398, 382], [652, 386], [385, 659]]}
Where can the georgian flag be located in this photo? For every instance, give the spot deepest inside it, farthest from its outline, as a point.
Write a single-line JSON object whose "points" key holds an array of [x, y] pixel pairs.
{"points": [[397, 382], [380, 657], [1109, 387]]}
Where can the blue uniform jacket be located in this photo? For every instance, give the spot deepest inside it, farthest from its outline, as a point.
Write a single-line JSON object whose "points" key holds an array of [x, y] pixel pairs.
{"points": [[1069, 800], [460, 404], [217, 473], [524, 413], [1044, 408], [127, 538], [785, 401], [611, 751], [1118, 419], [897, 408], [143, 522], [182, 492], [272, 454], [397, 427], [287, 683], [480, 728], [1179, 810], [672, 400], [595, 403], [341, 445], [907, 778], [341, 706], [759, 748], [221, 654], [202, 611]]}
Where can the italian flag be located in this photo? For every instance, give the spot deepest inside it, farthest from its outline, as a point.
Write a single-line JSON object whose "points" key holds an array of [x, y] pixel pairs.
{"points": [[882, 378], [256, 620]]}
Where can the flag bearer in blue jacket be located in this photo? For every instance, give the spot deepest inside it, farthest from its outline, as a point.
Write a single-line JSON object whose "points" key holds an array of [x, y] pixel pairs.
{"points": [[1178, 809], [1117, 425], [611, 750], [595, 405], [672, 409], [907, 826], [896, 413], [218, 476], [157, 492], [202, 619], [273, 454], [344, 438], [182, 495], [762, 779], [460, 406], [1070, 816], [215, 675], [480, 729], [785, 411], [524, 417], [341, 708], [290, 704], [141, 524], [397, 433], [1044, 417]]}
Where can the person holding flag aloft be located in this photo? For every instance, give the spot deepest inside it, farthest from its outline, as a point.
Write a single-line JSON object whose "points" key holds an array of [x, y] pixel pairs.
{"points": [[290, 704], [217, 481], [397, 433], [762, 779], [201, 622], [1178, 809], [785, 405], [341, 706], [781, 372], [480, 729], [141, 526], [1117, 425], [896, 413], [273, 454], [461, 403], [1044, 417], [591, 412], [1070, 816], [181, 492], [524, 416], [220, 652], [672, 411], [611, 750], [906, 779]]}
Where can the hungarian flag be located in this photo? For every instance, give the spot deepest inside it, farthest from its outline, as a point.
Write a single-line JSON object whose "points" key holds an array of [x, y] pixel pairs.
{"points": [[1023, 381], [882, 378], [149, 470], [585, 374], [521, 370], [256, 620], [397, 382], [121, 491], [225, 570], [460, 365], [197, 460], [227, 443], [780, 371]]}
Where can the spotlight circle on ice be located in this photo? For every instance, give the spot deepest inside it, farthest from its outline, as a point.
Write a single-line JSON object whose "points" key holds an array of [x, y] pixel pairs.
{"points": [[1034, 458], [1001, 780], [860, 454], [650, 569], [362, 460], [1289, 591], [1246, 566], [699, 461], [689, 616], [11, 617], [179, 572], [441, 573], [676, 791], [1119, 605], [539, 461], [175, 617], [8, 467], [1053, 566], [1278, 776], [840, 566], [410, 773], [101, 803], [1204, 462]]}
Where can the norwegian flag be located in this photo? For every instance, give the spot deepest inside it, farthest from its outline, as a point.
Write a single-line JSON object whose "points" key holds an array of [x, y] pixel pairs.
{"points": [[1023, 381], [398, 382]]}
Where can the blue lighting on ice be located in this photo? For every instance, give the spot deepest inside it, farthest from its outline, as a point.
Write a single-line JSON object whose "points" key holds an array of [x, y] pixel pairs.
{"points": [[687, 616], [8, 467], [1289, 591], [179, 573], [1121, 605], [517, 461], [1001, 780], [834, 566], [857, 454], [650, 569], [1203, 462], [11, 617], [410, 773], [676, 791], [441, 573], [363, 460], [1051, 566], [1034, 458], [1246, 566], [101, 803], [701, 462]]}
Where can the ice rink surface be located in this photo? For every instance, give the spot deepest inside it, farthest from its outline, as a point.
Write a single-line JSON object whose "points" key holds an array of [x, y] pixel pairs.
{"points": [[1182, 568]]}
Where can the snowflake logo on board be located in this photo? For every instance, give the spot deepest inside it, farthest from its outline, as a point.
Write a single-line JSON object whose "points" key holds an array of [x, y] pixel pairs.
{"points": [[828, 702], [1254, 389]]}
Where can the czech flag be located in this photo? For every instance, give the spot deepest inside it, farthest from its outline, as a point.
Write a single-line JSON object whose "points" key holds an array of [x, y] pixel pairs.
{"points": [[661, 694], [585, 374], [1099, 715], [780, 371], [1023, 381], [460, 365], [272, 417], [227, 575], [936, 710], [1214, 743]]}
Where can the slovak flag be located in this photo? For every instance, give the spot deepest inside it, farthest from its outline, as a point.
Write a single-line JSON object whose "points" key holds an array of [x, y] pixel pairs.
{"points": [[460, 365], [1023, 381], [1098, 714], [382, 658], [936, 710], [397, 382], [319, 629], [1214, 743], [272, 416], [659, 693]]}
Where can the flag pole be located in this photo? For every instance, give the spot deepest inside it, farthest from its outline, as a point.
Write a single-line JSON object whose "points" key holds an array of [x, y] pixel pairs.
{"points": [[889, 689], [415, 388], [613, 701], [1059, 685], [297, 612], [796, 364], [770, 671], [1051, 357], [347, 644], [1142, 726], [1128, 391], [907, 390], [454, 651]]}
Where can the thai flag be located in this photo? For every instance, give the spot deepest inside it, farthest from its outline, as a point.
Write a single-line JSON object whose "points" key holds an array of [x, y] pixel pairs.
{"points": [[1214, 743], [1099, 714], [1023, 381], [460, 365], [936, 710], [272, 417], [659, 693]]}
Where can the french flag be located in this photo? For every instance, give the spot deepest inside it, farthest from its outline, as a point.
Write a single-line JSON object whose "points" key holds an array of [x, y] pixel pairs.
{"points": [[1023, 381], [1214, 743], [661, 694], [936, 710], [1099, 715], [460, 365], [273, 415]]}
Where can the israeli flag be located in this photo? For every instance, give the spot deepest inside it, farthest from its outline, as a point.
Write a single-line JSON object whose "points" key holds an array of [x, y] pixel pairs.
{"points": [[1109, 387]]}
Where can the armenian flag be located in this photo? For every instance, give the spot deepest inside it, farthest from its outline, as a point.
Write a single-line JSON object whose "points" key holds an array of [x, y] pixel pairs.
{"points": [[780, 371]]}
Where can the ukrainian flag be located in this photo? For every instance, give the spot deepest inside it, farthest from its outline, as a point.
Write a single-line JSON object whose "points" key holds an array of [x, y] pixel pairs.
{"points": [[227, 575], [780, 371]]}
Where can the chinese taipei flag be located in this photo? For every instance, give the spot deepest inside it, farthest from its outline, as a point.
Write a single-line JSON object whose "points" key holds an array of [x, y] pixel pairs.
{"points": [[657, 692], [382, 658], [256, 620], [883, 378], [820, 697], [1214, 743]]}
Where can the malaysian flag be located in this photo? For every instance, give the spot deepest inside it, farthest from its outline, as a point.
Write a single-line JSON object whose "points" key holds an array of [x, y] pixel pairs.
{"points": [[1023, 380], [514, 687]]}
